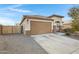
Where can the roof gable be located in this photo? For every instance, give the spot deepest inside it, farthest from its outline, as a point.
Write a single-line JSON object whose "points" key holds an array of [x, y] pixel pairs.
{"points": [[55, 16]]}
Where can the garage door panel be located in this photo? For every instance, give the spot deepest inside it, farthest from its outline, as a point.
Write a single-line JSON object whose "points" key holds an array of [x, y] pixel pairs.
{"points": [[38, 27]]}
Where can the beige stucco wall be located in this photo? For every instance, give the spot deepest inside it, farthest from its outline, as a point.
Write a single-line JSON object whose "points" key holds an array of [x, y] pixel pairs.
{"points": [[65, 26], [26, 26], [57, 19]]}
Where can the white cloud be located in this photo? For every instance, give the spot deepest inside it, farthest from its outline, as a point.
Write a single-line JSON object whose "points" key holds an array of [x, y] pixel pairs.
{"points": [[19, 10], [12, 6], [7, 21]]}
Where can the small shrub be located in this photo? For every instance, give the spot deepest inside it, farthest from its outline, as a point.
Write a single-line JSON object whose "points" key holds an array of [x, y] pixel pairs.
{"points": [[68, 31]]}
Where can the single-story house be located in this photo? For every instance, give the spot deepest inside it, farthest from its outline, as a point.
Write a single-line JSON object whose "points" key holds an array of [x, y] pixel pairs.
{"points": [[35, 24]]}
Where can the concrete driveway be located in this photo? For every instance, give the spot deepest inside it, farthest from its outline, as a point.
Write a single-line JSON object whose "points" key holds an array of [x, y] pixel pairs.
{"points": [[55, 44]]}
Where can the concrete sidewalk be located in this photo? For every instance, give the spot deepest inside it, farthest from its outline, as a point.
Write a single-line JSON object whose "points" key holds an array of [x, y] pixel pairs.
{"points": [[55, 44]]}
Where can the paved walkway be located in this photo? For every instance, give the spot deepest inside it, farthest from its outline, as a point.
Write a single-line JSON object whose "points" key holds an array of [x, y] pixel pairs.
{"points": [[55, 44], [19, 44]]}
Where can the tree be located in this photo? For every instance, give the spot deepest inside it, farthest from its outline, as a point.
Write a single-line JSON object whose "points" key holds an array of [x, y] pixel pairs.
{"points": [[74, 14]]}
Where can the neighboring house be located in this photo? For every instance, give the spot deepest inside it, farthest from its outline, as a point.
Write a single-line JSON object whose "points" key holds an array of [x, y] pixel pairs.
{"points": [[66, 25], [35, 24]]}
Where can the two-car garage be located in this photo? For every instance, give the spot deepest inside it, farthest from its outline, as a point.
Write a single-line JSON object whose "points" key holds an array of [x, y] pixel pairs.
{"points": [[38, 27]]}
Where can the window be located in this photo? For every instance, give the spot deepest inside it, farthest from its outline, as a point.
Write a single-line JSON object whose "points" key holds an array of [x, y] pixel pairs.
{"points": [[57, 22]]}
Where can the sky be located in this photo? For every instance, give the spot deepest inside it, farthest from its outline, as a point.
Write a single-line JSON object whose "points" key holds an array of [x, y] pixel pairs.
{"points": [[10, 14]]}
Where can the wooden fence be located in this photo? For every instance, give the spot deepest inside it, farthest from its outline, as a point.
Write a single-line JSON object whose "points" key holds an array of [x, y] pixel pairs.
{"points": [[10, 29]]}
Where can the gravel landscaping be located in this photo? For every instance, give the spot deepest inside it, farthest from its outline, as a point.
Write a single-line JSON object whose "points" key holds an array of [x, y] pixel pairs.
{"points": [[75, 37], [19, 44]]}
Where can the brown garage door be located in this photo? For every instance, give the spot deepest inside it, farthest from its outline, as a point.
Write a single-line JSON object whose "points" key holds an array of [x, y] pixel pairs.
{"points": [[38, 27]]}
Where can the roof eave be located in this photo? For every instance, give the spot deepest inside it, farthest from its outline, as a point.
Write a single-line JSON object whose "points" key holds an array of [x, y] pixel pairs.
{"points": [[22, 20], [24, 17]]}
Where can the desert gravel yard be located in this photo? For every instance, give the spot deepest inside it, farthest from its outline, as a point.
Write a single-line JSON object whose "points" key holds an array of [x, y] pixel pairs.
{"points": [[19, 44]]}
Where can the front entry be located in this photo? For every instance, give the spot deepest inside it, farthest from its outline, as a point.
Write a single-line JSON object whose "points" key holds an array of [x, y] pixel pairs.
{"points": [[57, 28], [38, 27]]}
